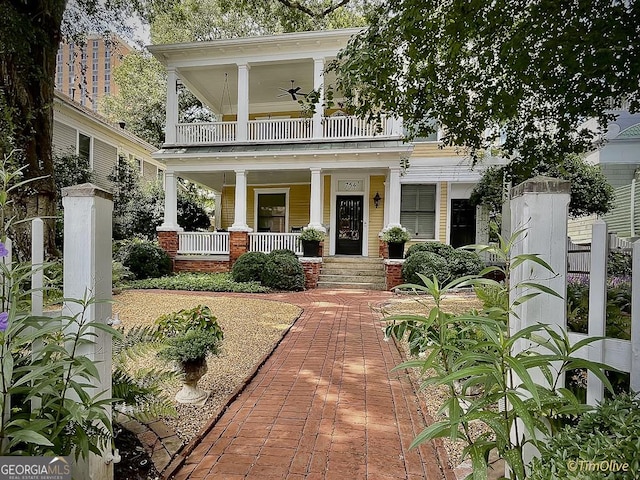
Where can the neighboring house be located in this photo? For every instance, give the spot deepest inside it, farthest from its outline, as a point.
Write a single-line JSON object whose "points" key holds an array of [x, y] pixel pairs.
{"points": [[277, 170], [619, 159], [78, 130], [85, 72]]}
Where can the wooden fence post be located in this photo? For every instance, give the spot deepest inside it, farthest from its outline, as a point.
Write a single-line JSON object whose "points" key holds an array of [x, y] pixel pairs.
{"points": [[87, 273]]}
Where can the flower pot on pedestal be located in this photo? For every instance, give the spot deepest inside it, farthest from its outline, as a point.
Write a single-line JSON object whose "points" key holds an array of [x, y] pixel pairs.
{"points": [[193, 372]]}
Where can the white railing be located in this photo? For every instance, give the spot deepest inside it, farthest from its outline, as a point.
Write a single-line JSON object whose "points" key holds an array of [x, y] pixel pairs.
{"points": [[353, 127], [203, 243], [280, 129], [203, 133], [579, 256], [267, 242]]}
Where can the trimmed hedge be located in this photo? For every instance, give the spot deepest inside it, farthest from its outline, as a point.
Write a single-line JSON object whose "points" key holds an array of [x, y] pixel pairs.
{"points": [[438, 248], [284, 251], [145, 259], [283, 272], [249, 266], [464, 262], [426, 263]]}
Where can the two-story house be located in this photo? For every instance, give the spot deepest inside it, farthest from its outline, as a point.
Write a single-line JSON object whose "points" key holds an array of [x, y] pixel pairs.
{"points": [[277, 170]]}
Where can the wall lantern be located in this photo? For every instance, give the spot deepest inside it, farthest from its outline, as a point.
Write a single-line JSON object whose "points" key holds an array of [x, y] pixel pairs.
{"points": [[376, 199]]}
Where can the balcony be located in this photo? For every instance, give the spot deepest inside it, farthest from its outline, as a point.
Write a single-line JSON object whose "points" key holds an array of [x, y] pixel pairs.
{"points": [[285, 130]]}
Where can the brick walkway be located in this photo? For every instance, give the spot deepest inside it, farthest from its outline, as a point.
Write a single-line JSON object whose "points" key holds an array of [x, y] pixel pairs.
{"points": [[324, 406]]}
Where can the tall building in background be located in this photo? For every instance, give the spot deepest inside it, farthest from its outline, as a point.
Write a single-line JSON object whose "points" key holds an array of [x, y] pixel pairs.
{"points": [[85, 72]]}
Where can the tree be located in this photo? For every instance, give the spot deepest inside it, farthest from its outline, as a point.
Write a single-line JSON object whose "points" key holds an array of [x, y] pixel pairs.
{"points": [[521, 74], [591, 193]]}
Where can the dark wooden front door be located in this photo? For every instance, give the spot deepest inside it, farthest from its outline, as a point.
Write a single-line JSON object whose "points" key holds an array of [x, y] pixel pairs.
{"points": [[463, 223], [349, 225]]}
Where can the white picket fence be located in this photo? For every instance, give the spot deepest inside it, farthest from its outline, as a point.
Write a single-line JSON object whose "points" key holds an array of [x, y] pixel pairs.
{"points": [[579, 256], [623, 355]]}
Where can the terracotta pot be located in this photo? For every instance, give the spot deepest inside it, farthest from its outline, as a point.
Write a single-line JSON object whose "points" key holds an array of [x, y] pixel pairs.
{"points": [[193, 372]]}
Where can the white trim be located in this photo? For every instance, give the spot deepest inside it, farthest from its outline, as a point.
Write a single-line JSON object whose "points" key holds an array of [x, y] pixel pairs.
{"points": [[447, 233], [258, 191]]}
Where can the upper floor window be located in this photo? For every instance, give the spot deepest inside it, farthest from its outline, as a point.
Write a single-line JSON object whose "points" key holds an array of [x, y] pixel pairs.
{"points": [[418, 210], [84, 147]]}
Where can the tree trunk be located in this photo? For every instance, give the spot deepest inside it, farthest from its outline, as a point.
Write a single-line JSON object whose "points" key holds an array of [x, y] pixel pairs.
{"points": [[30, 35]]}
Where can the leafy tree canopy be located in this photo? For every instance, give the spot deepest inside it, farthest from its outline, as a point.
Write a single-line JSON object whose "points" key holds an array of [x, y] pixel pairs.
{"points": [[524, 74], [590, 191]]}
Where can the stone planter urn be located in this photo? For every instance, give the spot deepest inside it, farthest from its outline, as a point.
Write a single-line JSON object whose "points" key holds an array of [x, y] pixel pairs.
{"points": [[193, 372]]}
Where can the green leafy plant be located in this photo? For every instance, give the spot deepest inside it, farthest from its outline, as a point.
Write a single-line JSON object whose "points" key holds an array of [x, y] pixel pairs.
{"points": [[206, 282], [608, 436], [426, 264], [438, 248], [283, 251], [144, 259], [395, 235], [191, 346], [311, 235], [248, 267], [475, 350], [283, 272]]}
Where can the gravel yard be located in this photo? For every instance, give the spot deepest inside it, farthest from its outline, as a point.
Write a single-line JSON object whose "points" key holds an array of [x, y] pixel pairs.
{"points": [[251, 328]]}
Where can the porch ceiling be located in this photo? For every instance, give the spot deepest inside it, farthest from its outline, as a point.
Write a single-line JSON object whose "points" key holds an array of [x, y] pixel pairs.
{"points": [[217, 85], [216, 180]]}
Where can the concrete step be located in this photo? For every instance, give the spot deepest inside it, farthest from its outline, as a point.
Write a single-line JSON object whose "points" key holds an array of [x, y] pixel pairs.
{"points": [[354, 286], [352, 259], [351, 278], [353, 270]]}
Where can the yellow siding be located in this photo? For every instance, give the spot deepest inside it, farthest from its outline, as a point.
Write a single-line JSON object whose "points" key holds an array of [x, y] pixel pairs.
{"points": [[444, 205], [431, 150], [326, 215], [298, 205], [376, 215]]}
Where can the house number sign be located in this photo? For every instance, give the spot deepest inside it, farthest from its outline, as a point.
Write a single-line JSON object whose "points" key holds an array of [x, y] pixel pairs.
{"points": [[350, 185]]}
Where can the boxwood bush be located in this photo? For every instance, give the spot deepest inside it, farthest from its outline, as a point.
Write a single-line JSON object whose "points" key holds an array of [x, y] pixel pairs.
{"points": [[284, 251], [426, 263], [463, 262], [434, 247], [145, 259], [283, 272], [248, 267]]}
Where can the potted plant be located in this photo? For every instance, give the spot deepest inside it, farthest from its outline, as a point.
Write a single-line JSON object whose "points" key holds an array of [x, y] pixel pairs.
{"points": [[192, 335], [311, 239], [396, 237]]}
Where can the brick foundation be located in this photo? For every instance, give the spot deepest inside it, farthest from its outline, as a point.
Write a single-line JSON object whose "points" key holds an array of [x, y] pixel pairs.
{"points": [[238, 244], [201, 265], [168, 241], [383, 249], [311, 268], [393, 273]]}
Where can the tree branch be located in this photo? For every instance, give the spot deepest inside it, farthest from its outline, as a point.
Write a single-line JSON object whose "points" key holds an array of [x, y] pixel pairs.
{"points": [[296, 5]]}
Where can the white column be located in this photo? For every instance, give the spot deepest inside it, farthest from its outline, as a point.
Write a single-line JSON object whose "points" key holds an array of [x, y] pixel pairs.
{"points": [[395, 197], [240, 209], [385, 219], [87, 274], [318, 84], [315, 203], [170, 203], [242, 124], [218, 210], [172, 107]]}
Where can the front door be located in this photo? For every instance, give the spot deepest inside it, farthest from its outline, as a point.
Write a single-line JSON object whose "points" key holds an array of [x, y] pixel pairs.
{"points": [[349, 225], [463, 223]]}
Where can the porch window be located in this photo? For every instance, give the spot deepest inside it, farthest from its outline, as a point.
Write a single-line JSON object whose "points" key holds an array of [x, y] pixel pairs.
{"points": [[418, 210], [272, 210]]}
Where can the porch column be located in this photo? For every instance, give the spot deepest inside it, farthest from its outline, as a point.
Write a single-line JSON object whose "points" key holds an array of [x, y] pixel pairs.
{"points": [[240, 210], [242, 124], [315, 203], [172, 107], [318, 80], [170, 203], [218, 210], [394, 196]]}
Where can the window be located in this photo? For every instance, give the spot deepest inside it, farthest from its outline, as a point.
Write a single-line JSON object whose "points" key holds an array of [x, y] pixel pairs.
{"points": [[272, 210], [418, 210], [84, 147]]}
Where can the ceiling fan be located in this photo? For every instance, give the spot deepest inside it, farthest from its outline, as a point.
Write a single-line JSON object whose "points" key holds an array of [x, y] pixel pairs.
{"points": [[293, 91]]}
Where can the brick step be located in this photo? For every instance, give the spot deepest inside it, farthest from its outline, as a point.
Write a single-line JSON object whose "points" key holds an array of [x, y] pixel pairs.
{"points": [[351, 278], [354, 286], [352, 271]]}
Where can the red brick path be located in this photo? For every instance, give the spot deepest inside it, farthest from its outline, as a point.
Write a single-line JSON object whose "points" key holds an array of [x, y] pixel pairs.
{"points": [[324, 406]]}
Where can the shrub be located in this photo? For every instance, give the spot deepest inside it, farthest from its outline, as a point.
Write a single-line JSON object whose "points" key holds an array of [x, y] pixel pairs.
{"points": [[191, 346], [425, 263], [283, 272], [248, 268], [433, 247], [609, 433], [396, 235], [145, 259], [311, 235], [619, 264], [463, 262], [284, 251]]}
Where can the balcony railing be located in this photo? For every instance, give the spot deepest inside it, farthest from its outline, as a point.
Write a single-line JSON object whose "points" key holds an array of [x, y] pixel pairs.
{"points": [[203, 243], [284, 129], [267, 242]]}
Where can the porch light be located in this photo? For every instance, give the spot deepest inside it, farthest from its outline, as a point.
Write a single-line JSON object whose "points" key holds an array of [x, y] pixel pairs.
{"points": [[376, 199]]}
